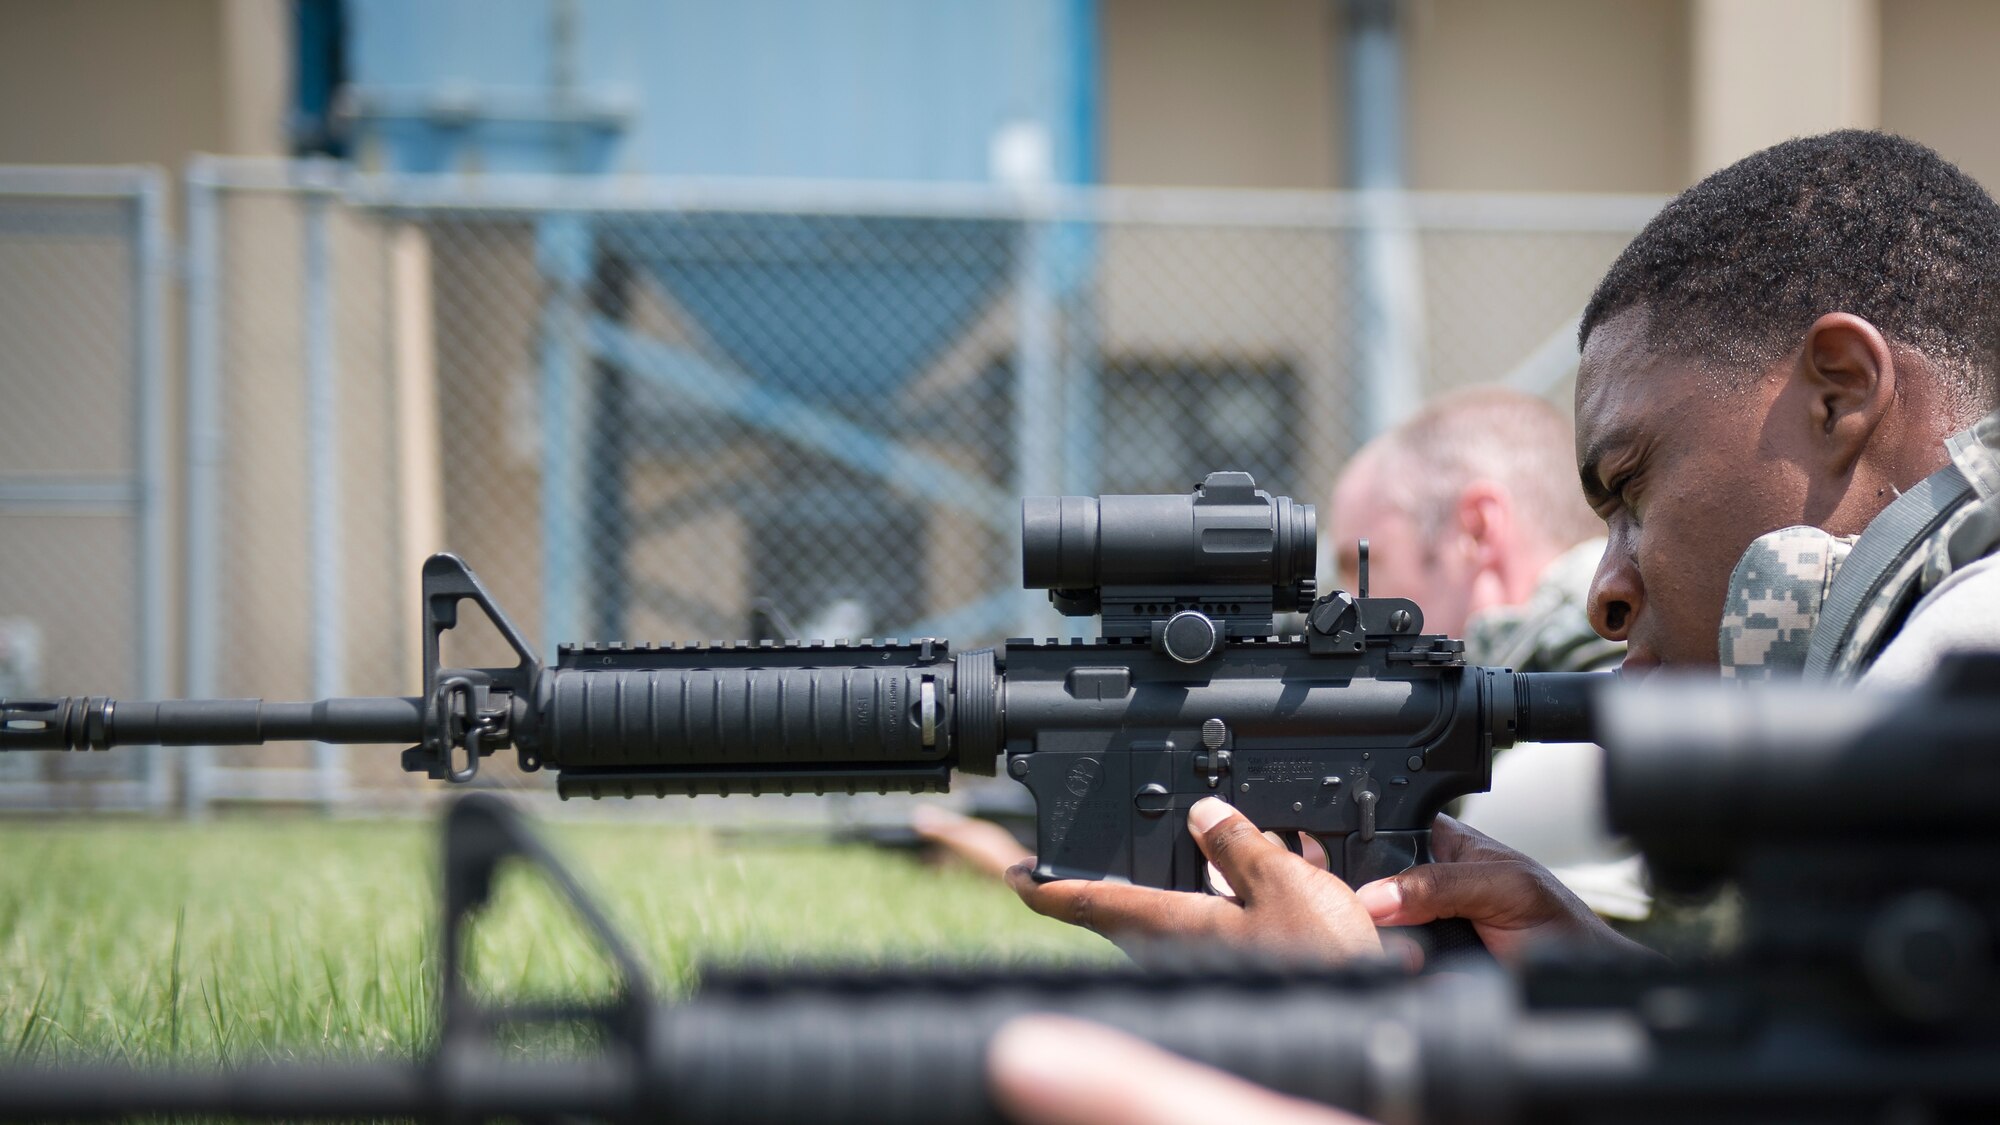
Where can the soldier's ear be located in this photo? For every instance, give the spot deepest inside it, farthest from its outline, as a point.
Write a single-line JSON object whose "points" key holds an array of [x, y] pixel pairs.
{"points": [[1485, 516], [1848, 373]]}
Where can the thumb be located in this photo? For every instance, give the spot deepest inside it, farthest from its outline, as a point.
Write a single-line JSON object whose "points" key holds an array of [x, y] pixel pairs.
{"points": [[1239, 852]]}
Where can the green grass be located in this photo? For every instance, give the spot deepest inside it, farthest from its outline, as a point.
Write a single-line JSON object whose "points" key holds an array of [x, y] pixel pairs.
{"points": [[244, 939]]}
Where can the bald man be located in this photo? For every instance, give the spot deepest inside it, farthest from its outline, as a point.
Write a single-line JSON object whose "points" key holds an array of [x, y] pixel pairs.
{"points": [[1472, 511]]}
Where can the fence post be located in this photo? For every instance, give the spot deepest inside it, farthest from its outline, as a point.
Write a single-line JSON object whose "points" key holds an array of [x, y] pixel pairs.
{"points": [[1389, 328], [329, 627], [1038, 388], [204, 461], [563, 253], [150, 252]]}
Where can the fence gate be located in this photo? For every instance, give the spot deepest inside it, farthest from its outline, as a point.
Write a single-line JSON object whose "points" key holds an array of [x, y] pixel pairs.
{"points": [[84, 439]]}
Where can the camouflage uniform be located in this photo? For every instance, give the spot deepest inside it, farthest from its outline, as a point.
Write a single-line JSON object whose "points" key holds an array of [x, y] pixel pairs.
{"points": [[1780, 585], [1969, 534], [1546, 798], [1774, 598], [1550, 632]]}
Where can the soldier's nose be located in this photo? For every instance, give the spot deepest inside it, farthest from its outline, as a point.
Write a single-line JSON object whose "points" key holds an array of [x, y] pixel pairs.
{"points": [[1615, 597]]}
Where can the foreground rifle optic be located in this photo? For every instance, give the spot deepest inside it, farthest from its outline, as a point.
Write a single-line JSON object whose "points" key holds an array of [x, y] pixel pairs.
{"points": [[1357, 731], [1858, 827]]}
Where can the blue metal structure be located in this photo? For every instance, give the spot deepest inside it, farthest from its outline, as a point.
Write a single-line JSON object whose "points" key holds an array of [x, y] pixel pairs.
{"points": [[903, 90], [861, 89]]}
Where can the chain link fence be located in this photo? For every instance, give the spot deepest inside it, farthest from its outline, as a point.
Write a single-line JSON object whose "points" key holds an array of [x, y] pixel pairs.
{"points": [[84, 559], [698, 410]]}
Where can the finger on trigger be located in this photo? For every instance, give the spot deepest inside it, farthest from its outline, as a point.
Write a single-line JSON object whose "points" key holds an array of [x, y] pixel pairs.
{"points": [[1312, 851]]}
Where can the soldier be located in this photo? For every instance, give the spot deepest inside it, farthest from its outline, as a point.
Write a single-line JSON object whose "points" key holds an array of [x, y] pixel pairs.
{"points": [[1472, 511], [1806, 338]]}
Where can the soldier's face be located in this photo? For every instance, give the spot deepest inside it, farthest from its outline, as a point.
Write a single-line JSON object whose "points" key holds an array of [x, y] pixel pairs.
{"points": [[1685, 472]]}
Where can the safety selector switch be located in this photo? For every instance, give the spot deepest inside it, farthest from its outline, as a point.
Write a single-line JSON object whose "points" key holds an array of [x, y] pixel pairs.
{"points": [[1364, 795], [1212, 761]]}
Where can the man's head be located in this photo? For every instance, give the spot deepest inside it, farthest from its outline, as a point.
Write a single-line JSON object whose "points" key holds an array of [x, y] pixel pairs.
{"points": [[1464, 504], [1787, 342]]}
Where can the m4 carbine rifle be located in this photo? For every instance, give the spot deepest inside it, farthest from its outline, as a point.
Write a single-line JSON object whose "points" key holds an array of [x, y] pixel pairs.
{"points": [[1859, 828], [1357, 731]]}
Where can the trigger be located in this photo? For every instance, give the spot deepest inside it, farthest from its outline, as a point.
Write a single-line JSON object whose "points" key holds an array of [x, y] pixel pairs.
{"points": [[1294, 843]]}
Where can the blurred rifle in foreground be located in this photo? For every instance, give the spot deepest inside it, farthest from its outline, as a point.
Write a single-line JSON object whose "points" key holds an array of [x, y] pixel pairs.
{"points": [[1358, 731], [1859, 828]]}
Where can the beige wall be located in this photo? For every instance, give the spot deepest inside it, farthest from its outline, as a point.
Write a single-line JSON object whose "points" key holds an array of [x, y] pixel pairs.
{"points": [[1941, 79], [1209, 94], [1249, 94], [1542, 95], [140, 81], [1546, 95], [109, 81], [1768, 70]]}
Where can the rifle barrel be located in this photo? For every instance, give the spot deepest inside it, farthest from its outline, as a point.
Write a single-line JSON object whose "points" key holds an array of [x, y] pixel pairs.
{"points": [[96, 723]]}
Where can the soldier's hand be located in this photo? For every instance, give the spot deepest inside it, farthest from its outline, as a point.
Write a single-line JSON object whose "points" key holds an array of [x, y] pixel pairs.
{"points": [[980, 844], [1048, 1070], [1510, 899], [1278, 904]]}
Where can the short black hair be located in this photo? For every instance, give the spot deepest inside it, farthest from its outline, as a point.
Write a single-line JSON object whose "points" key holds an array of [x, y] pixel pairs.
{"points": [[1736, 268]]}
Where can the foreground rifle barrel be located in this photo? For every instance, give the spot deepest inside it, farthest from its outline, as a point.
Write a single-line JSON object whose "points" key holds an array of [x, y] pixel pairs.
{"points": [[1451, 1050], [1444, 1050], [293, 1091]]}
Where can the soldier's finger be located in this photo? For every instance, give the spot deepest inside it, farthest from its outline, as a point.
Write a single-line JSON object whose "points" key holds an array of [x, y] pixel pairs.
{"points": [[1502, 894], [981, 844], [1219, 883], [1312, 851], [1050, 1070], [1243, 855], [1121, 910], [1452, 841]]}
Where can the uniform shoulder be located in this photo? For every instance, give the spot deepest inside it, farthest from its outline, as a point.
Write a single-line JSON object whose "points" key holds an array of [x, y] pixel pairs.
{"points": [[1962, 612]]}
